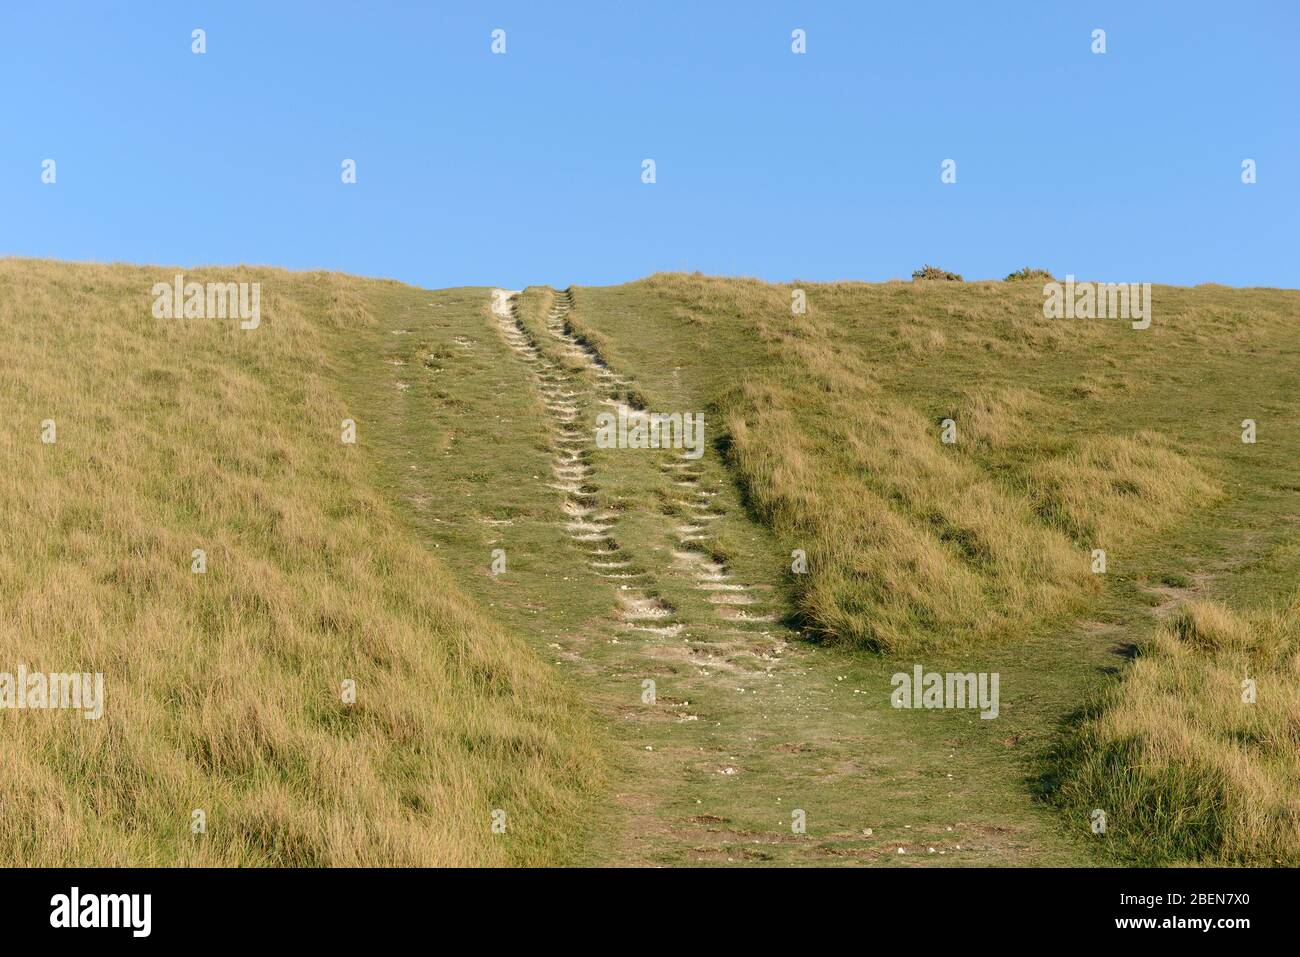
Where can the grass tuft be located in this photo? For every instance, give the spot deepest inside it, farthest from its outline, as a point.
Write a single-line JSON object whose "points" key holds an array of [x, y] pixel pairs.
{"points": [[1186, 770]]}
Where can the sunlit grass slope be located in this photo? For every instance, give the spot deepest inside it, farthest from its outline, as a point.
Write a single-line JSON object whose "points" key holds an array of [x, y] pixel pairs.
{"points": [[1071, 435], [223, 689]]}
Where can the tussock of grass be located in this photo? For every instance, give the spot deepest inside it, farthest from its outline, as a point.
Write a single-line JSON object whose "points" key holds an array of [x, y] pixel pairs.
{"points": [[1184, 769], [223, 689], [1000, 419], [909, 546], [1106, 487]]}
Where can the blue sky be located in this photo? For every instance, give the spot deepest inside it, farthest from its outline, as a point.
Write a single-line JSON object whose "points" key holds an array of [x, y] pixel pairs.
{"points": [[482, 169]]}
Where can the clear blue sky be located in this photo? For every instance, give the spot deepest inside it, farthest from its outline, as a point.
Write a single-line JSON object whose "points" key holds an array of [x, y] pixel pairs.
{"points": [[526, 168]]}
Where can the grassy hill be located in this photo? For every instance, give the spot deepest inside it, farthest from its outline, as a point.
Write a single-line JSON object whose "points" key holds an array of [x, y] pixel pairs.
{"points": [[223, 689], [612, 645]]}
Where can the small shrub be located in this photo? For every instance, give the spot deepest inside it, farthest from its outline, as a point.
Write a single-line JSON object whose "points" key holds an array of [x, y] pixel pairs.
{"points": [[1026, 274], [934, 272]]}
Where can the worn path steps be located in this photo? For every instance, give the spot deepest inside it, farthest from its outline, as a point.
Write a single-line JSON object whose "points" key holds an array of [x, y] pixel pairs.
{"points": [[749, 732]]}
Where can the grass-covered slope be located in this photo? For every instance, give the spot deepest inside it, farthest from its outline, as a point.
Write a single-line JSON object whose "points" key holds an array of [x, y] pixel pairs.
{"points": [[223, 689], [1071, 435]]}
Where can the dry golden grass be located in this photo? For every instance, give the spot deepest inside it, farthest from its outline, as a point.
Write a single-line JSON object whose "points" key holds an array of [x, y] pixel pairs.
{"points": [[1108, 487], [1184, 768], [909, 545], [223, 689]]}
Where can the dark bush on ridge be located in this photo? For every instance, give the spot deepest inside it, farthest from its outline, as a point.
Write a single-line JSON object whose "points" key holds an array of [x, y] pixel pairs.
{"points": [[1025, 274], [934, 272]]}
